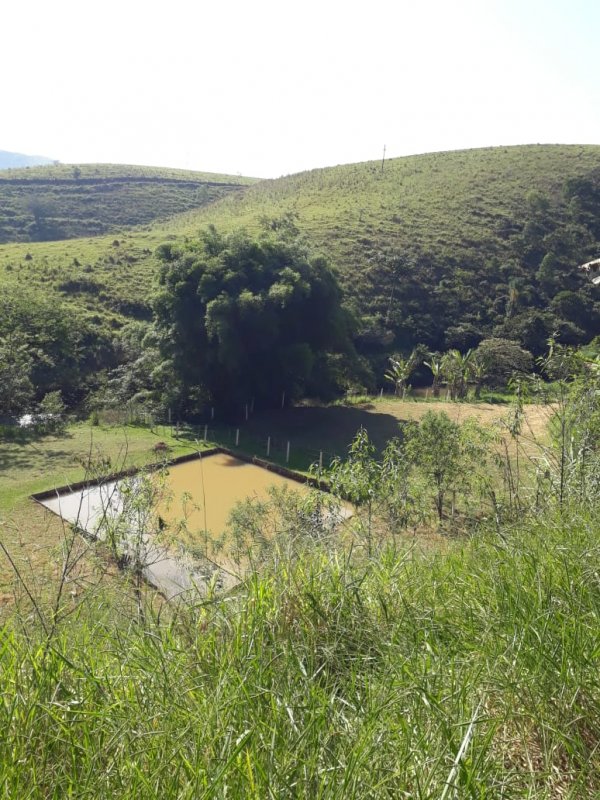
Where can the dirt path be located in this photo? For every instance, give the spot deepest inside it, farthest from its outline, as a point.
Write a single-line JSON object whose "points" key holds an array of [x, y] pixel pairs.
{"points": [[536, 416], [332, 428]]}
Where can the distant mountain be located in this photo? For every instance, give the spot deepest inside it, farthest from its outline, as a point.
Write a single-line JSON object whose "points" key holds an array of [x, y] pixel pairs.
{"points": [[16, 160]]}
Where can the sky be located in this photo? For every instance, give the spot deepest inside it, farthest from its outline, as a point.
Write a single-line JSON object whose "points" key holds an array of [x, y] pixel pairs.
{"points": [[268, 88]]}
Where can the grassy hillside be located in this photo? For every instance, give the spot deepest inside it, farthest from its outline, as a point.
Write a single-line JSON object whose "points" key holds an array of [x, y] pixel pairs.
{"points": [[440, 248], [445, 204], [430, 241], [110, 277], [68, 201], [467, 670]]}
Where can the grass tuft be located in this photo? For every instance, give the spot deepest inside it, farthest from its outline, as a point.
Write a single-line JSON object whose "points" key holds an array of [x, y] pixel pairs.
{"points": [[327, 675]]}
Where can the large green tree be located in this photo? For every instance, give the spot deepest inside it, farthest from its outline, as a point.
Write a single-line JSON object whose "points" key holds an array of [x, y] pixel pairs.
{"points": [[241, 318], [16, 364], [64, 347]]}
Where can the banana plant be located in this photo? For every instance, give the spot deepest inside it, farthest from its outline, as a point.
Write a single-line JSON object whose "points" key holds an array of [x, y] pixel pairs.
{"points": [[399, 372], [436, 365]]}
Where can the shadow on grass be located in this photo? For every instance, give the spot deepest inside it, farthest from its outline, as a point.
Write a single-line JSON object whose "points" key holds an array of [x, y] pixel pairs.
{"points": [[13, 434], [309, 429], [30, 449], [330, 429], [13, 459]]}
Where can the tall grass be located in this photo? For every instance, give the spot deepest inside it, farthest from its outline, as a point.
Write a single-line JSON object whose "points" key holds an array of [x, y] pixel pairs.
{"points": [[467, 672]]}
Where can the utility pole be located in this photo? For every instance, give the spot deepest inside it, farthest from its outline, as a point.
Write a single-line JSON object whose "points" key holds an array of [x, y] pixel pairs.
{"points": [[383, 159]]}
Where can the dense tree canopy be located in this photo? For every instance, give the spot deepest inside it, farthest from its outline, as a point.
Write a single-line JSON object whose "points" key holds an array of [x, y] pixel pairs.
{"points": [[47, 346], [503, 358], [241, 318]]}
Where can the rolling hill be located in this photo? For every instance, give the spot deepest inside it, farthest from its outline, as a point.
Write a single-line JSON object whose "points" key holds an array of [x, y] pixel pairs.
{"points": [[436, 241], [68, 201], [443, 248]]}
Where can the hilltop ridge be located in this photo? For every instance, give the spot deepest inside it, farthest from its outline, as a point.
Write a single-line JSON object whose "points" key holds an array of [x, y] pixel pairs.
{"points": [[65, 201], [429, 243], [442, 248]]}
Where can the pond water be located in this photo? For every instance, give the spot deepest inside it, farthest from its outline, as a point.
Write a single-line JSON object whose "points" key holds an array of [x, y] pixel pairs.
{"points": [[214, 484], [202, 492]]}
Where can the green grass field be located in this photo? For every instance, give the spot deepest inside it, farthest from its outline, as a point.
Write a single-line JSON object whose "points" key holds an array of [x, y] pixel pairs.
{"points": [[31, 464], [28, 464]]}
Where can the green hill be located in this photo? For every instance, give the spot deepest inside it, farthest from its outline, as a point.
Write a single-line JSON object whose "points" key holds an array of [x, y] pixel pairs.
{"points": [[441, 248], [445, 240], [68, 201]]}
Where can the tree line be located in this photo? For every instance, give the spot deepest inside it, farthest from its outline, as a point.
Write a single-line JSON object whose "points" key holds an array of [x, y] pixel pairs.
{"points": [[493, 362], [236, 319]]}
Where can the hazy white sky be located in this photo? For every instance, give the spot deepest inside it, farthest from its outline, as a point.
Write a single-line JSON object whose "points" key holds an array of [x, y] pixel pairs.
{"points": [[270, 87]]}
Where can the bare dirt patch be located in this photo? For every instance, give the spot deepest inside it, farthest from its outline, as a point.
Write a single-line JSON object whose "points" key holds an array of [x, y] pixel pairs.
{"points": [[332, 428], [537, 416]]}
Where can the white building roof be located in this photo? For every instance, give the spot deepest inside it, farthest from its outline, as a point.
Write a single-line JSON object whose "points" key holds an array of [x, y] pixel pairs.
{"points": [[593, 268]]}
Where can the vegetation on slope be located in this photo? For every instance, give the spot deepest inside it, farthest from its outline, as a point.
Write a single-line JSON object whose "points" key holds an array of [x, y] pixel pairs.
{"points": [[399, 670], [445, 247], [47, 346], [69, 201], [328, 677], [231, 321], [112, 277], [230, 325]]}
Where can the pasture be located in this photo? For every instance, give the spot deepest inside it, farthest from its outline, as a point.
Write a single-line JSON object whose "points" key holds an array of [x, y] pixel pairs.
{"points": [[28, 464]]}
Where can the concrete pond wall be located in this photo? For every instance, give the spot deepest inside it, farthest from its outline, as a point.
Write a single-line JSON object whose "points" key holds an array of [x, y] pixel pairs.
{"points": [[202, 488]]}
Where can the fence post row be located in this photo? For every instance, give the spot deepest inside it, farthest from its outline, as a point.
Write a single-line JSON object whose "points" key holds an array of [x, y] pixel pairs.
{"points": [[233, 435]]}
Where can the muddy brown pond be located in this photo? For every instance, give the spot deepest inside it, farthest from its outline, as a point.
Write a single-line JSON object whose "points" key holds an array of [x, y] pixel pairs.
{"points": [[200, 492], [205, 490]]}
